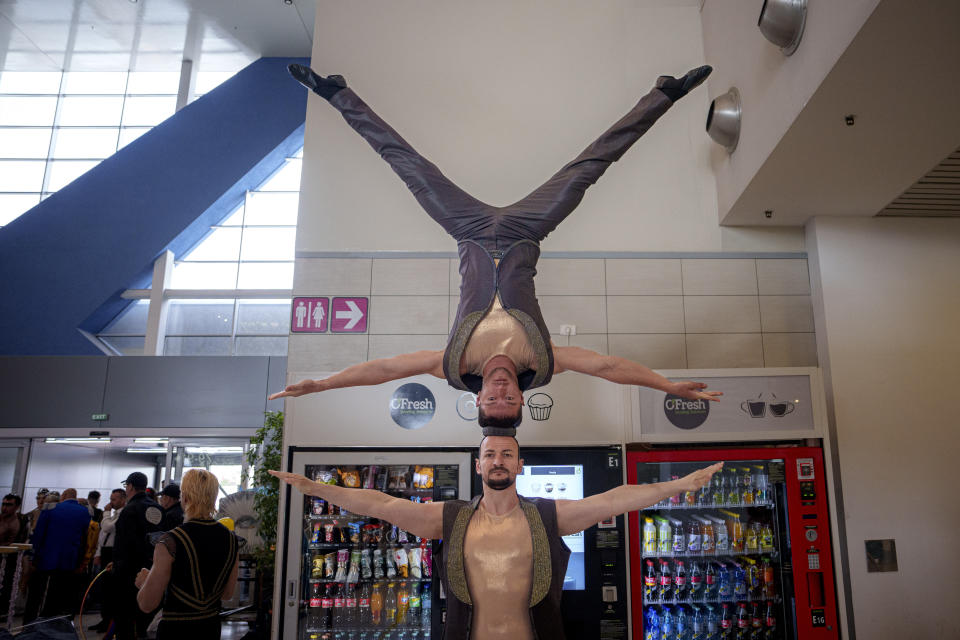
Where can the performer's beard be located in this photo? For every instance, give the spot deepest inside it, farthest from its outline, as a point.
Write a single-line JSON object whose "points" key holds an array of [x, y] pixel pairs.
{"points": [[499, 484]]}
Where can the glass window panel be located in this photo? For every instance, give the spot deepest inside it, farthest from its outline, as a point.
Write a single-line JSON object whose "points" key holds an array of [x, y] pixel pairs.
{"points": [[200, 275], [268, 243], [154, 82], [265, 275], [27, 111], [24, 143], [197, 346], [128, 346], [261, 346], [207, 81], [109, 82], [91, 111], [30, 82], [13, 205], [25, 175], [63, 172], [150, 111], [263, 317], [85, 143], [200, 317], [128, 135], [234, 219], [132, 320], [221, 244], [272, 208], [286, 179]]}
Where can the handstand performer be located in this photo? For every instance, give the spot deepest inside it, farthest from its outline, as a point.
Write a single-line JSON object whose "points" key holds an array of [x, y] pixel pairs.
{"points": [[499, 345], [503, 561]]}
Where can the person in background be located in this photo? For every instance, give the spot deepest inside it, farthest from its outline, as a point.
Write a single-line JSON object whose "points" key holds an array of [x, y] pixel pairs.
{"points": [[195, 565], [172, 509], [151, 493], [104, 557], [132, 552], [57, 549], [13, 528], [35, 513], [93, 499]]}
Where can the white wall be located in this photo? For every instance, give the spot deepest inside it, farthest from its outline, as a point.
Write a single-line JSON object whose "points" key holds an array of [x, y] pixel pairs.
{"points": [[887, 307], [773, 88], [500, 95], [60, 466]]}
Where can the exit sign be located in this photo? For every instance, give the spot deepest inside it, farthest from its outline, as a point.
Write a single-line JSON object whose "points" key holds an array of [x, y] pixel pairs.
{"points": [[100, 417]]}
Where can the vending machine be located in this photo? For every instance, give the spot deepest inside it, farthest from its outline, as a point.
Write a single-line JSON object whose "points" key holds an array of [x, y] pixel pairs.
{"points": [[352, 577]]}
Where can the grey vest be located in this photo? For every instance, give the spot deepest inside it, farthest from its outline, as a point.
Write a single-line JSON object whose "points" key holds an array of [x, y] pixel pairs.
{"points": [[550, 556], [512, 279]]}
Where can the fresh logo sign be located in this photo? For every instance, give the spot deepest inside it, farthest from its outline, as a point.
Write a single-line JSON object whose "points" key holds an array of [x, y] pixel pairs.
{"points": [[412, 405], [685, 414]]}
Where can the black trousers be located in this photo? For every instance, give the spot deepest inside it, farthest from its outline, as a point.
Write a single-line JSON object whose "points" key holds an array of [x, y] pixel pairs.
{"points": [[51, 593]]}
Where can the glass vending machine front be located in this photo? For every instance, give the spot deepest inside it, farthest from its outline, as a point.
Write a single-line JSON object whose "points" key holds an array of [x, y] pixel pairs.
{"points": [[362, 578], [715, 563]]}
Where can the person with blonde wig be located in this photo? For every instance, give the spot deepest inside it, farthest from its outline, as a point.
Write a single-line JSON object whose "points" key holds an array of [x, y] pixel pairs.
{"points": [[194, 566]]}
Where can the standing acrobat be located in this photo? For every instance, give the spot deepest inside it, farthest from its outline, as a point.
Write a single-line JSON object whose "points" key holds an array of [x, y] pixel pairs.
{"points": [[499, 345]]}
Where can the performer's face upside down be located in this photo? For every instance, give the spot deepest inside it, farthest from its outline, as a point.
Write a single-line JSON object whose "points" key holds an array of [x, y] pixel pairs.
{"points": [[500, 401]]}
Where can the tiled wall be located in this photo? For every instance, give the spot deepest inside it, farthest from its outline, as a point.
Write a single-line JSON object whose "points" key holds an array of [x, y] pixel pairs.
{"points": [[670, 313]]}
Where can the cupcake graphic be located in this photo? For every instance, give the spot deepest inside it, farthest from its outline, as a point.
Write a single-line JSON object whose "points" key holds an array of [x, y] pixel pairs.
{"points": [[540, 405]]}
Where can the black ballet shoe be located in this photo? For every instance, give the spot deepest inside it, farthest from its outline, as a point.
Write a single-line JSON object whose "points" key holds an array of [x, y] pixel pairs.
{"points": [[676, 88], [325, 87]]}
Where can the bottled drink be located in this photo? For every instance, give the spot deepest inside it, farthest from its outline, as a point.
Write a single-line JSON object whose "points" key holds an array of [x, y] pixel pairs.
{"points": [[666, 624], [707, 536], [766, 538], [698, 628], [376, 605], [649, 537], [754, 578], [666, 582], [736, 534], [752, 540], [681, 623], [693, 536], [733, 487], [650, 583], [651, 624], [710, 582], [724, 586], [756, 622], [769, 587], [426, 606], [390, 605], [363, 606], [679, 541], [770, 620], [413, 614], [664, 536], [746, 486], [339, 604], [743, 621], [726, 620], [350, 612], [722, 545], [696, 582], [739, 581], [319, 616], [761, 491], [680, 582], [705, 496], [403, 604], [719, 489], [675, 500], [712, 622]]}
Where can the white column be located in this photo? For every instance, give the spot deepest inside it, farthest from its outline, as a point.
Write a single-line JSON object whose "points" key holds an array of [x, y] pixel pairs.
{"points": [[157, 315]]}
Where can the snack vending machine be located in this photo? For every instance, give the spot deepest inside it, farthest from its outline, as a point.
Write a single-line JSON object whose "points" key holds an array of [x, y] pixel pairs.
{"points": [[352, 577], [748, 557]]}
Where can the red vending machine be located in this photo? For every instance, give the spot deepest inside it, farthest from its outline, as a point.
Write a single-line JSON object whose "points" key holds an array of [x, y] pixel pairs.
{"points": [[746, 558]]}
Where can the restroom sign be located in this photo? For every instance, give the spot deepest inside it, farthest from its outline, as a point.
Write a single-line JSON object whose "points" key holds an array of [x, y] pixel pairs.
{"points": [[309, 315]]}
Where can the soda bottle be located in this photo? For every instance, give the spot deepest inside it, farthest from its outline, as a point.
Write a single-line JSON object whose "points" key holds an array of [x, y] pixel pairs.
{"points": [[756, 622], [426, 605], [693, 536], [724, 587], [746, 486], [664, 536], [339, 604], [736, 534], [710, 582], [696, 582], [651, 624], [318, 616], [766, 538], [719, 489], [722, 544], [769, 587], [681, 624], [679, 541], [363, 606], [752, 541], [675, 500], [403, 604], [351, 613], [726, 620], [743, 621], [770, 629], [650, 583], [390, 605], [733, 487], [649, 537], [413, 615], [739, 581], [666, 624], [680, 582], [707, 537], [666, 582], [376, 605]]}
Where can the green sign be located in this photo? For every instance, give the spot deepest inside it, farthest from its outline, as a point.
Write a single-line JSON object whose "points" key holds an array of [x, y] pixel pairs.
{"points": [[99, 417]]}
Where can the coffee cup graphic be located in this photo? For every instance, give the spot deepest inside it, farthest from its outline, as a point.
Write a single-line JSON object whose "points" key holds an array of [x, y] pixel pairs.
{"points": [[757, 407], [780, 409], [540, 405]]}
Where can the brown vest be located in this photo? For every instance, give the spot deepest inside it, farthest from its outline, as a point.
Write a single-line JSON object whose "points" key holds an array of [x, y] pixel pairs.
{"points": [[550, 556]]}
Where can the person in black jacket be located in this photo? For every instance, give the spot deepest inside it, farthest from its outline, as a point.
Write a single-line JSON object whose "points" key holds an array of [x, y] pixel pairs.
{"points": [[172, 509], [133, 551]]}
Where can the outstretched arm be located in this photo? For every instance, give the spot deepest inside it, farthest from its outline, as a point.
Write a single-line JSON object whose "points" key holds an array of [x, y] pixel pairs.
{"points": [[623, 371], [370, 373], [424, 519], [577, 515]]}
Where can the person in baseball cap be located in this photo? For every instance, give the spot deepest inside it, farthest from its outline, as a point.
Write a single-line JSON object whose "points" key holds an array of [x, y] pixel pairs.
{"points": [[133, 551], [135, 480], [172, 509]]}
